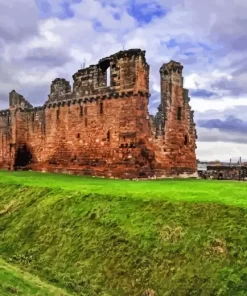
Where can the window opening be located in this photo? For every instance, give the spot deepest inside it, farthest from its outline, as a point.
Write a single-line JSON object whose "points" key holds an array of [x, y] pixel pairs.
{"points": [[104, 75], [108, 136], [179, 111], [108, 77], [101, 107], [186, 140]]}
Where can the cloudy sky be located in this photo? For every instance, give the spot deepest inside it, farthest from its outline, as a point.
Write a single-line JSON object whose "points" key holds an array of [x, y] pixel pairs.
{"points": [[41, 40]]}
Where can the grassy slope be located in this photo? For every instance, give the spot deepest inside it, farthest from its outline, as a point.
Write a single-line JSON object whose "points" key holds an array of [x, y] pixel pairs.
{"points": [[113, 237], [16, 282]]}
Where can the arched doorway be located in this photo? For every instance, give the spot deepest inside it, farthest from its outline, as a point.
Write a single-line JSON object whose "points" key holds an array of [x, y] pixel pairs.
{"points": [[23, 156]]}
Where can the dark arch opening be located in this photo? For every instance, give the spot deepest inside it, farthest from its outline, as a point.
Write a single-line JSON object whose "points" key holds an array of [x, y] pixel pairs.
{"points": [[23, 156], [105, 70]]}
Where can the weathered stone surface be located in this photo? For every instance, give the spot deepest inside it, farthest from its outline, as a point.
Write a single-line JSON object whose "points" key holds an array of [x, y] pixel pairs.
{"points": [[102, 126]]}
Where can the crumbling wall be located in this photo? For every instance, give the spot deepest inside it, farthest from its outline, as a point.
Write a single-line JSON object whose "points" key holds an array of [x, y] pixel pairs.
{"points": [[60, 90], [18, 101], [26, 130], [128, 70]]}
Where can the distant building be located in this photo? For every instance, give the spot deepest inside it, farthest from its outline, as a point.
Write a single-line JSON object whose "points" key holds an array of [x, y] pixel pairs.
{"points": [[222, 170], [201, 167]]}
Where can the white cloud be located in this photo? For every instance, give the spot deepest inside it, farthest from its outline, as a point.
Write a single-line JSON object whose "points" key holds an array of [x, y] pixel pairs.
{"points": [[222, 151], [198, 104]]}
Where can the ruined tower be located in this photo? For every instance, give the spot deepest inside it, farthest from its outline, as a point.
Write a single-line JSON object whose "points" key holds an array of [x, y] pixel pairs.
{"points": [[177, 126]]}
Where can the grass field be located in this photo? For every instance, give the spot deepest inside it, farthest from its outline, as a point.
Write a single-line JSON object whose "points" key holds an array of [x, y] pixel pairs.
{"points": [[226, 192], [103, 237]]}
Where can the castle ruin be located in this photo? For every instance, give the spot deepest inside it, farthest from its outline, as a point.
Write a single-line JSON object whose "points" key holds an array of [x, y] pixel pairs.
{"points": [[102, 126]]}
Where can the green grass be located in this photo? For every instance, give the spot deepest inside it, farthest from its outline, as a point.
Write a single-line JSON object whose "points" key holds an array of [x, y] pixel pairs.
{"points": [[16, 282], [226, 192], [114, 237]]}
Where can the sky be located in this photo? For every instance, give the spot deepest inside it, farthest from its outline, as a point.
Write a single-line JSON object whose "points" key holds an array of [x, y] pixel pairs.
{"points": [[41, 40]]}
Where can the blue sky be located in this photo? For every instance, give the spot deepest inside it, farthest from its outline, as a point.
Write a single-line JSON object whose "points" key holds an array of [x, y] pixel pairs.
{"points": [[54, 37]]}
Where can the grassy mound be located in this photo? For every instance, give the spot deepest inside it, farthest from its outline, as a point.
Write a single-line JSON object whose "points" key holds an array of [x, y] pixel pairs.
{"points": [[112, 237], [16, 282]]}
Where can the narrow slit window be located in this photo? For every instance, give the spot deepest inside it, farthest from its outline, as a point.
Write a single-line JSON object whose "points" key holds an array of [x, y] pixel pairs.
{"points": [[179, 113], [58, 113], [101, 107], [170, 88], [108, 136], [186, 140], [81, 111], [85, 110]]}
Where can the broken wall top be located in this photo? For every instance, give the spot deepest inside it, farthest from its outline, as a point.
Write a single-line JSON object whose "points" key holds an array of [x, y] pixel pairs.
{"points": [[126, 70], [18, 101], [60, 88], [129, 71], [172, 73]]}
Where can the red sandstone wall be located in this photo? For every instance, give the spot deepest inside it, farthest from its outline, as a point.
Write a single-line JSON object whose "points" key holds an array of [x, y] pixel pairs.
{"points": [[4, 139], [180, 153], [86, 136], [87, 139], [81, 140]]}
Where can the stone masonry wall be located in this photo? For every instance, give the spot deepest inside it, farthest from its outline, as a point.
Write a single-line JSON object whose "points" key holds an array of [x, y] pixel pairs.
{"points": [[102, 127], [5, 138]]}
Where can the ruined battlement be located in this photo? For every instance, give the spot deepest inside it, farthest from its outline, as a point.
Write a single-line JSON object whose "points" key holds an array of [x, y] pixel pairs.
{"points": [[18, 101], [131, 53], [101, 125], [5, 112], [116, 72], [172, 73], [171, 67]]}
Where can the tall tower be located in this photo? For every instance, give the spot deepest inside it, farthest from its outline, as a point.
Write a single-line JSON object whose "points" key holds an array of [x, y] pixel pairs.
{"points": [[171, 84], [178, 126]]}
